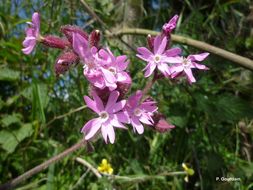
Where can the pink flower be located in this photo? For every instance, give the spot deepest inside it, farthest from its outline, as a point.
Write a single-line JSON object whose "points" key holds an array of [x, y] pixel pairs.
{"points": [[159, 58], [140, 112], [91, 69], [185, 65], [109, 116], [113, 68], [168, 27], [32, 34]]}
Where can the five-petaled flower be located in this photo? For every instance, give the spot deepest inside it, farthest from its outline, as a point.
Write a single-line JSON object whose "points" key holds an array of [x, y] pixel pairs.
{"points": [[105, 167], [32, 34], [160, 58], [185, 65], [140, 112], [109, 116]]}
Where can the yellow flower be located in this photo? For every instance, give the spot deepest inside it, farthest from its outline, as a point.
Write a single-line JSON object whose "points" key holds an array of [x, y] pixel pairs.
{"points": [[189, 172], [105, 167]]}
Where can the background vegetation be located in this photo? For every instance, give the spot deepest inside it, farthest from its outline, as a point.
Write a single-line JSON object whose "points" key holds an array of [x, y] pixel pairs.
{"points": [[213, 118]]}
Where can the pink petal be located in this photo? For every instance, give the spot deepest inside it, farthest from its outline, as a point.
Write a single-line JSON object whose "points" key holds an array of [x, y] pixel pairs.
{"points": [[157, 43], [94, 128], [123, 77], [148, 107], [198, 57], [29, 49], [189, 75], [109, 77], [173, 52], [199, 66], [164, 68], [107, 130], [104, 54], [36, 22], [115, 122], [117, 107], [137, 125], [176, 68], [150, 69], [145, 53], [122, 117], [91, 104], [145, 120], [86, 128], [162, 46], [104, 132], [28, 41], [80, 45], [173, 59], [121, 63], [111, 133], [134, 99], [112, 99], [98, 101]]}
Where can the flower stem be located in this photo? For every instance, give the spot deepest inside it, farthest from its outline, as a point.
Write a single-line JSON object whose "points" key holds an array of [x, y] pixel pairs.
{"points": [[13, 183]]}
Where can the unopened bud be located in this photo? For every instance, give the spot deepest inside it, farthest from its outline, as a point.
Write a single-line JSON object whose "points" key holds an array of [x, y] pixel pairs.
{"points": [[150, 41], [123, 88], [54, 42], [68, 31], [102, 93], [160, 123], [94, 38], [64, 62]]}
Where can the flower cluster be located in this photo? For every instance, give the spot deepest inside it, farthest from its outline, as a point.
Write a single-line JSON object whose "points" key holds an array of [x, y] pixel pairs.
{"points": [[109, 78], [168, 60]]}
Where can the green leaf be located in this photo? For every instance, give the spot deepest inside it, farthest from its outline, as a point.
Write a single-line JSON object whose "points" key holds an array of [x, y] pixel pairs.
{"points": [[8, 141], [7, 120], [25, 131], [7, 74]]}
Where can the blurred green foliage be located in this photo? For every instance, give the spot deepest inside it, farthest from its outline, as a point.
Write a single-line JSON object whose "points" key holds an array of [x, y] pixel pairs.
{"points": [[213, 118]]}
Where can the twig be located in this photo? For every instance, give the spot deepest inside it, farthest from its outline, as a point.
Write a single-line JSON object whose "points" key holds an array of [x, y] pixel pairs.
{"points": [[89, 166], [13, 183], [80, 180], [243, 61], [66, 114], [128, 178], [94, 15]]}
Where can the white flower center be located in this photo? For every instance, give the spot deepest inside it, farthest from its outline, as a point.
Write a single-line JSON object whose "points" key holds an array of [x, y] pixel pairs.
{"points": [[137, 112], [157, 58], [103, 115], [112, 70], [186, 63]]}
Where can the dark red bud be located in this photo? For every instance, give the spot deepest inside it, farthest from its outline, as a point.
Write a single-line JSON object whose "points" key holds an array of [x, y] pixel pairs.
{"points": [[123, 89], [64, 61], [94, 38], [160, 123], [54, 42], [68, 31], [150, 41], [102, 93]]}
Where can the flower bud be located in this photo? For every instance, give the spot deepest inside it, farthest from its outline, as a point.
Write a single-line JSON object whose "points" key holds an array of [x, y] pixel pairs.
{"points": [[150, 41], [160, 123], [64, 61], [67, 30], [94, 38], [123, 89], [54, 42], [102, 93]]}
